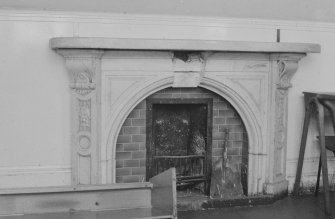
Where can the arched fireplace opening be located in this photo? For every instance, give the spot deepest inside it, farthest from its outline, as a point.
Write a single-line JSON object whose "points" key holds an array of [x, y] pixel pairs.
{"points": [[193, 129]]}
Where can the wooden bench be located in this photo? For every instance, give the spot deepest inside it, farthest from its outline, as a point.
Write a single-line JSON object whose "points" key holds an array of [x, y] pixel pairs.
{"points": [[154, 199]]}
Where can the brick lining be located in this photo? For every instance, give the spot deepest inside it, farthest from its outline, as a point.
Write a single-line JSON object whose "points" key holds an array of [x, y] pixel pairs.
{"points": [[131, 152]]}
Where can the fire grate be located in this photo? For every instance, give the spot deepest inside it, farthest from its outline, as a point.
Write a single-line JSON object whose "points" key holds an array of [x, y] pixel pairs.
{"points": [[179, 135]]}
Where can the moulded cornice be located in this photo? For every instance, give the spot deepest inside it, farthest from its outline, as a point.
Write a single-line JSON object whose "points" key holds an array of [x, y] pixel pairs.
{"points": [[140, 19]]}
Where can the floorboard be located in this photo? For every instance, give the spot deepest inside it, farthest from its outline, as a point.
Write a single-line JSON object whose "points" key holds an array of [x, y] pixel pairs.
{"points": [[302, 207]]}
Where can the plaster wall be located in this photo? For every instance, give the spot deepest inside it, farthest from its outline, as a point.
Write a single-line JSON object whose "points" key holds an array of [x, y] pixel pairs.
{"points": [[311, 10], [35, 98]]}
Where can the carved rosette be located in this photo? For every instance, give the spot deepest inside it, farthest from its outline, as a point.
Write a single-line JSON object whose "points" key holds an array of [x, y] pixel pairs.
{"points": [[284, 67], [84, 71]]}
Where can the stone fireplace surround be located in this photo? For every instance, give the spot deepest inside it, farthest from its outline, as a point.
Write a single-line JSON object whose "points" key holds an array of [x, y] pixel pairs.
{"points": [[110, 77]]}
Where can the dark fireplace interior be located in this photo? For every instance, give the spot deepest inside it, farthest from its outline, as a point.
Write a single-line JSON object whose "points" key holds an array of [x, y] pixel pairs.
{"points": [[179, 134], [193, 129]]}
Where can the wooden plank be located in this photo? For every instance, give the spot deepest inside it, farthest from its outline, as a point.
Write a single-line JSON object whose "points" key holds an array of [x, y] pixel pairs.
{"points": [[179, 157], [188, 45], [53, 189], [141, 213], [84, 200], [164, 193]]}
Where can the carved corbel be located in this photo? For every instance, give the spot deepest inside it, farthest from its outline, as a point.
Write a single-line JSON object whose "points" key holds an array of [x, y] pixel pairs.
{"points": [[287, 67], [83, 68]]}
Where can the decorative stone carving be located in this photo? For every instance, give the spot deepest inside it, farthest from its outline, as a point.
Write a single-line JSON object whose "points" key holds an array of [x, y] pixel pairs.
{"points": [[84, 72], [287, 66], [84, 115], [84, 142], [188, 69], [82, 83]]}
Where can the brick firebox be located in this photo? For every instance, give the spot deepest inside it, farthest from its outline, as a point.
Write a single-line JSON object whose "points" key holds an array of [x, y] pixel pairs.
{"points": [[131, 145]]}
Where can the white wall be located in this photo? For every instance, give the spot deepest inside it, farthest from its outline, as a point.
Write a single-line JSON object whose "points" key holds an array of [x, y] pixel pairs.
{"points": [[34, 121], [34, 93], [311, 10], [315, 74]]}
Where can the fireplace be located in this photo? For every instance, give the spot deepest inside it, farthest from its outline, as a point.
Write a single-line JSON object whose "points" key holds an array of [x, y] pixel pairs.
{"points": [[193, 129], [111, 81]]}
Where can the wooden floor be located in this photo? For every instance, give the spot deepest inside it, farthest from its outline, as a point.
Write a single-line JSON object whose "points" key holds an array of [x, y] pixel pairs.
{"points": [[303, 207]]}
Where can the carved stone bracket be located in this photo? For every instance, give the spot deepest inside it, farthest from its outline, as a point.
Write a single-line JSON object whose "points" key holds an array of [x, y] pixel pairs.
{"points": [[287, 67], [84, 71]]}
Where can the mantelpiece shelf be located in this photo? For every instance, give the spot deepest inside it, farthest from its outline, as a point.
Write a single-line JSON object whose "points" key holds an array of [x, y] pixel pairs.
{"points": [[186, 45]]}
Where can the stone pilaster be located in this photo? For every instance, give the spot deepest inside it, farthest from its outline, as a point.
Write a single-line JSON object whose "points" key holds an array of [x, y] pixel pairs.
{"points": [[84, 72], [284, 67]]}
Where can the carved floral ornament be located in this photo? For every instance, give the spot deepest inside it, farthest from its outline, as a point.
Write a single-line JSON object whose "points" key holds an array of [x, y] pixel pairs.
{"points": [[84, 115], [82, 83]]}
